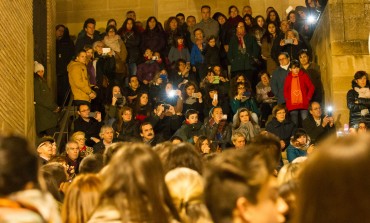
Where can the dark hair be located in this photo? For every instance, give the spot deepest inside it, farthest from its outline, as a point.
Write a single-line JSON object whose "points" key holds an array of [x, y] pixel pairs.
{"points": [[180, 14], [157, 26], [347, 161], [167, 27], [18, 164], [109, 28], [278, 108], [79, 52], [59, 25], [294, 63], [285, 54], [188, 84], [112, 20], [82, 104], [138, 190], [124, 25], [218, 14], [288, 16], [277, 20], [143, 124], [198, 144], [303, 51], [270, 143], [233, 175], [298, 133], [251, 19], [173, 138], [260, 74], [198, 29], [311, 103], [183, 155], [88, 21], [267, 34], [190, 112], [359, 74], [205, 7], [256, 23], [91, 164], [54, 174], [231, 7]]}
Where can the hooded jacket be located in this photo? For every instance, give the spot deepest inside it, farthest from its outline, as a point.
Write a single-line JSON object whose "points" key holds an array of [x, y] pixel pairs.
{"points": [[355, 104], [79, 81]]}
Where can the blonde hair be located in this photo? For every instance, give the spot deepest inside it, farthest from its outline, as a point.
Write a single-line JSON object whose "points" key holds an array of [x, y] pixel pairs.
{"points": [[81, 199], [289, 172], [78, 133], [186, 188]]}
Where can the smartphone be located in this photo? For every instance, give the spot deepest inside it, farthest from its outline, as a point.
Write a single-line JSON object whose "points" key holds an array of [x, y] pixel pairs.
{"points": [[92, 114], [216, 80], [154, 58], [247, 94], [224, 117], [195, 95], [171, 93], [215, 97], [106, 51], [288, 41]]}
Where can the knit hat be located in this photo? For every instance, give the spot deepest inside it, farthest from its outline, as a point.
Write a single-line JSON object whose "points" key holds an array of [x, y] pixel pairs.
{"points": [[38, 67]]}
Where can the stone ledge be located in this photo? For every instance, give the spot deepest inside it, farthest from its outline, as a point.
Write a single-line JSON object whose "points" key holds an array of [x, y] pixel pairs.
{"points": [[353, 47]]}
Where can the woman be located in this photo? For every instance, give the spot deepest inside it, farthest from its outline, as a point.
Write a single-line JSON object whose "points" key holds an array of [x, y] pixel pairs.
{"points": [[81, 199], [46, 110], [242, 97], [313, 71], [259, 28], [249, 22], [186, 188], [131, 37], [172, 97], [345, 161], [114, 41], [244, 122], [280, 126], [267, 43], [231, 24], [292, 44], [203, 145], [358, 99], [243, 50], [274, 17], [265, 97], [142, 107], [182, 74], [116, 101], [79, 137], [213, 97], [221, 19], [293, 23], [298, 91], [153, 36], [136, 193], [196, 56], [217, 128], [192, 98], [126, 126], [172, 29], [299, 145]]}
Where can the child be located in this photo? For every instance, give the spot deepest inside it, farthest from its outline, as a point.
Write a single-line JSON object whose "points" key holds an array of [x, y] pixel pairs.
{"points": [[179, 51], [147, 70], [211, 53], [190, 127]]}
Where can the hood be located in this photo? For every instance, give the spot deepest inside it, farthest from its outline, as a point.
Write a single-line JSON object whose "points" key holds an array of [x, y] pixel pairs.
{"points": [[305, 146]]}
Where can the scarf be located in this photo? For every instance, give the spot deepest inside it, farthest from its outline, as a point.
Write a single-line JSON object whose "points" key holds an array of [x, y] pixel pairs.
{"points": [[113, 43], [180, 47], [241, 44], [363, 92], [295, 91], [220, 127]]}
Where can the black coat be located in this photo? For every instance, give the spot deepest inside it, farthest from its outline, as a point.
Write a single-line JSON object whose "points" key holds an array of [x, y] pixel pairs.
{"points": [[355, 108], [315, 132], [284, 130], [91, 129]]}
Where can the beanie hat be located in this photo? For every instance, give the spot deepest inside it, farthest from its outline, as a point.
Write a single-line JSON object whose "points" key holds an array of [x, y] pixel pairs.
{"points": [[38, 67]]}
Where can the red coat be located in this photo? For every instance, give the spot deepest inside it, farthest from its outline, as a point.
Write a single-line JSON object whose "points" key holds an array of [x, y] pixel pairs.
{"points": [[307, 89]]}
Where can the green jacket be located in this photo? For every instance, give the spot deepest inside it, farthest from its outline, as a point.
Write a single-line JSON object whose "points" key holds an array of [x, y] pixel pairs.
{"points": [[238, 60]]}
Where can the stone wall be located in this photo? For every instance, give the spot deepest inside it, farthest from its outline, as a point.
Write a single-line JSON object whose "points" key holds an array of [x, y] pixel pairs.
{"points": [[16, 67], [73, 13], [341, 43]]}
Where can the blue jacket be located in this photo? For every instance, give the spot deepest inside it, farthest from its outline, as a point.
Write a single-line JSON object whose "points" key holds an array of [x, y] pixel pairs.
{"points": [[293, 152], [277, 83]]}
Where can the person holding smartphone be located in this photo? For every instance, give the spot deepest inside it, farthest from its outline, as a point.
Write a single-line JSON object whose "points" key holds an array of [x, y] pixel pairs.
{"points": [[242, 97]]}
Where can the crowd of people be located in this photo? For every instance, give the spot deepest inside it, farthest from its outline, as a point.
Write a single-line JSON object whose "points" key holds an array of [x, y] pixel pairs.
{"points": [[233, 101]]}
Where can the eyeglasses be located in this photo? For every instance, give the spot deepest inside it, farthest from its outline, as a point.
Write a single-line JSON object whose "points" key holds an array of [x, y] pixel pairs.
{"points": [[82, 139], [315, 109]]}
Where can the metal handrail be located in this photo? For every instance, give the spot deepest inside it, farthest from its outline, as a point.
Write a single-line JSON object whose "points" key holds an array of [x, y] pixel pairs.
{"points": [[64, 121]]}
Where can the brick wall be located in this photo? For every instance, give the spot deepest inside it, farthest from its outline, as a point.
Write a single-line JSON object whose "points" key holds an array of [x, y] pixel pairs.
{"points": [[16, 67]]}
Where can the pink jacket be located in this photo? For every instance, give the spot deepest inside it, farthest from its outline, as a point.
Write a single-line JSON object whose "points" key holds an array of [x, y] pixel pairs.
{"points": [[307, 89]]}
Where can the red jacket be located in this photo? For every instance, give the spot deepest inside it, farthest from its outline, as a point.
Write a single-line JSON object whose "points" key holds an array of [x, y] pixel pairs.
{"points": [[307, 89]]}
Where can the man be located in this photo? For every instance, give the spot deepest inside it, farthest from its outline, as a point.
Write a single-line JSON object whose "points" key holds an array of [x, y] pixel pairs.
{"points": [[65, 51], [278, 77], [164, 120], [20, 198], [238, 140], [240, 188], [106, 135], [133, 89], [317, 125], [89, 123], [88, 35], [207, 24], [73, 157], [147, 134], [45, 149], [247, 10], [79, 80], [190, 127], [132, 15]]}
